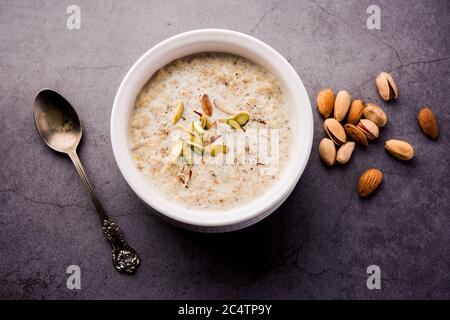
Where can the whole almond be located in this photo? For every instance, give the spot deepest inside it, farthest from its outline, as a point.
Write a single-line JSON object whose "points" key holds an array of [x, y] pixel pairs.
{"points": [[345, 152], [327, 152], [206, 105], [325, 102], [369, 181], [356, 134], [386, 86], [428, 124], [402, 150], [341, 105], [369, 128], [335, 131], [375, 114], [356, 111]]}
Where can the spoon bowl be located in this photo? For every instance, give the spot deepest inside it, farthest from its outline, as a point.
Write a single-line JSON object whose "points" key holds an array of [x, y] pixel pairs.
{"points": [[57, 121]]}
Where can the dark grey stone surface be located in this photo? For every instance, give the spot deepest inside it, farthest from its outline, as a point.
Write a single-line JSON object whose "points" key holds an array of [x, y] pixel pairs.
{"points": [[317, 245]]}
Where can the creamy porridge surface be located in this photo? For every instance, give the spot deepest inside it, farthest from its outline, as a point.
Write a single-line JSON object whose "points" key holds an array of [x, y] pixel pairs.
{"points": [[199, 180]]}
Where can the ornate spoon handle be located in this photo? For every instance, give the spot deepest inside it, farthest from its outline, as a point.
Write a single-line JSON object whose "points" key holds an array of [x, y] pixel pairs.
{"points": [[125, 259]]}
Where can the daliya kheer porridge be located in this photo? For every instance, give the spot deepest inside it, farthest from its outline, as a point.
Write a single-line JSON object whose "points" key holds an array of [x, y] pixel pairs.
{"points": [[211, 131]]}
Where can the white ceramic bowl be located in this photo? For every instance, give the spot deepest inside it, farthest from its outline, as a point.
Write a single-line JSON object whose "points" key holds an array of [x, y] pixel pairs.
{"points": [[214, 40]]}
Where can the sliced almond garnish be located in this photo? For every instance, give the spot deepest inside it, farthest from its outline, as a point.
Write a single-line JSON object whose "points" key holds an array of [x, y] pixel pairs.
{"points": [[206, 105], [219, 105]]}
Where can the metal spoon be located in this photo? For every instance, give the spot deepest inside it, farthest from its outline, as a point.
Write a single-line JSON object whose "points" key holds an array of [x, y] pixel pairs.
{"points": [[60, 128]]}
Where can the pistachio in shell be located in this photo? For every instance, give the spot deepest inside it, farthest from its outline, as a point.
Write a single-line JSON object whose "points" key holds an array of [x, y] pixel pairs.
{"points": [[341, 105], [375, 114], [386, 86], [345, 152], [369, 128], [402, 150], [335, 131], [179, 109], [327, 152]]}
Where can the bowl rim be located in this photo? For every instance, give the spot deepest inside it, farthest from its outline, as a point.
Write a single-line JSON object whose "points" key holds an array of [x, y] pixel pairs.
{"points": [[222, 218]]}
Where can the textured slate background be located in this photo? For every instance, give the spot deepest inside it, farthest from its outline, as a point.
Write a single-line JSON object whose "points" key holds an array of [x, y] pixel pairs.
{"points": [[317, 245]]}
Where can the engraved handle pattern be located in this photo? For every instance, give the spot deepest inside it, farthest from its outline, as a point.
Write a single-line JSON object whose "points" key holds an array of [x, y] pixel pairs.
{"points": [[125, 258]]}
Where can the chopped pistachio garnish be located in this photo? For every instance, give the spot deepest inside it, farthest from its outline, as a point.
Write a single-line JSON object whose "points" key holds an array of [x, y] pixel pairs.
{"points": [[179, 109], [177, 148], [234, 124], [217, 149], [198, 148], [242, 118], [198, 127], [185, 130], [187, 155], [205, 123]]}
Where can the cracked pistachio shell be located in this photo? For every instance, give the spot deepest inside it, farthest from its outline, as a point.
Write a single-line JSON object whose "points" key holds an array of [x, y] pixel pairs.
{"points": [[345, 152], [341, 105], [242, 118], [325, 102], [369, 128], [179, 109], [327, 152], [335, 131], [216, 149], [375, 114], [400, 149], [386, 86]]}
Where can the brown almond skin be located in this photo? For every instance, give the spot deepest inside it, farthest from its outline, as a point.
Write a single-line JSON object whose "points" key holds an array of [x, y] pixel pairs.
{"points": [[356, 111], [206, 105], [325, 102], [369, 181], [428, 124], [356, 134]]}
